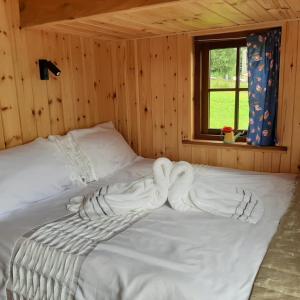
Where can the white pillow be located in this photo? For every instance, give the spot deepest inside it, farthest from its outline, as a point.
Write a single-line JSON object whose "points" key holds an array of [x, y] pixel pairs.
{"points": [[31, 172], [98, 128], [105, 148]]}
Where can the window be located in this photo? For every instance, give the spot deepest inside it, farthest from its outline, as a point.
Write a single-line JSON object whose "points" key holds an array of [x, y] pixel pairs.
{"points": [[221, 85]]}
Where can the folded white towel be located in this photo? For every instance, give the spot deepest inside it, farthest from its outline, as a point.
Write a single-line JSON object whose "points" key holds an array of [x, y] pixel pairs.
{"points": [[188, 192], [144, 194], [227, 201], [181, 181]]}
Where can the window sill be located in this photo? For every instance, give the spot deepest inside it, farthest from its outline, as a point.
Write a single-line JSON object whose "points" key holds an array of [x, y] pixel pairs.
{"points": [[217, 137], [239, 145]]}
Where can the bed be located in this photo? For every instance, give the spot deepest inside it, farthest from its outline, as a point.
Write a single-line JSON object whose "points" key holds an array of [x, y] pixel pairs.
{"points": [[169, 255]]}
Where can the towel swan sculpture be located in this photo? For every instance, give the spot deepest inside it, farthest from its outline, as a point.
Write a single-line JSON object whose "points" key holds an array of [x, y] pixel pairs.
{"points": [[188, 192], [175, 183], [146, 193]]}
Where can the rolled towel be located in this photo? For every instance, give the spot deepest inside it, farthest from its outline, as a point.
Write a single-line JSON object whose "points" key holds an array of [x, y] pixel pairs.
{"points": [[181, 181], [143, 194], [162, 168], [188, 192], [227, 201]]}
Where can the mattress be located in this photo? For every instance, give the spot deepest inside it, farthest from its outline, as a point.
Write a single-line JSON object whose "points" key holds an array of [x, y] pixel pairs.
{"points": [[167, 255]]}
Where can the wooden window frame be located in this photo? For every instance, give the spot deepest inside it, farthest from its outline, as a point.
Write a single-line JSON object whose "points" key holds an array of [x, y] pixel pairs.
{"points": [[201, 82]]}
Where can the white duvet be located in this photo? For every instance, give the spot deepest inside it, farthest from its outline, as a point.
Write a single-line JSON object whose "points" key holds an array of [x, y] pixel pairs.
{"points": [[168, 254]]}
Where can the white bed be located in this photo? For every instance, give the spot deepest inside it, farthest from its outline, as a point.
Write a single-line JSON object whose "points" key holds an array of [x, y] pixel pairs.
{"points": [[167, 254]]}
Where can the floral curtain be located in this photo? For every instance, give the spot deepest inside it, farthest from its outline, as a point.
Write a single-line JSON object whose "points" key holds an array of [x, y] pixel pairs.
{"points": [[263, 68]]}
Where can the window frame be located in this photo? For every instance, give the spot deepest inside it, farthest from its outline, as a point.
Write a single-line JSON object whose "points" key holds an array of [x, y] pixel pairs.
{"points": [[201, 82]]}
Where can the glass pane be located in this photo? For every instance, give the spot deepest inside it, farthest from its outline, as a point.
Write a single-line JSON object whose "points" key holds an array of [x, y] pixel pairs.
{"points": [[244, 111], [223, 68], [243, 68], [221, 109]]}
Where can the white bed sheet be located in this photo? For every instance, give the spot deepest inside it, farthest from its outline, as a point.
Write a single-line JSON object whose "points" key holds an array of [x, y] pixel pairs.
{"points": [[168, 255]]}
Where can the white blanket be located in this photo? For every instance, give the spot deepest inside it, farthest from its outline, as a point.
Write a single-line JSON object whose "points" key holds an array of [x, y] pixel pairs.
{"points": [[147, 193], [168, 255]]}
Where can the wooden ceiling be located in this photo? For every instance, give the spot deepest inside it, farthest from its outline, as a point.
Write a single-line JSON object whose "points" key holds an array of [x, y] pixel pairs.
{"points": [[162, 17]]}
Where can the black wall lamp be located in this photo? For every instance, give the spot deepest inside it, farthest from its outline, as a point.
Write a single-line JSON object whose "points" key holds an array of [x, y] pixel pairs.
{"points": [[45, 66]]}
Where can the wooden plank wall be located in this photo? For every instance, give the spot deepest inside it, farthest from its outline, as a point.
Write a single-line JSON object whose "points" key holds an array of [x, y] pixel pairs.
{"points": [[98, 83], [162, 106], [29, 107], [144, 86]]}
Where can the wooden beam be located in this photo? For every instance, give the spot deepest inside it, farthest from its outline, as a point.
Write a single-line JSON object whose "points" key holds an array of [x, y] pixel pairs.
{"points": [[37, 12]]}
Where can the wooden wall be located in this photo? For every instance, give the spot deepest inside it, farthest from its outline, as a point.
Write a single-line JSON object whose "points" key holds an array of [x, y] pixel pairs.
{"points": [[158, 93], [144, 86], [30, 107]]}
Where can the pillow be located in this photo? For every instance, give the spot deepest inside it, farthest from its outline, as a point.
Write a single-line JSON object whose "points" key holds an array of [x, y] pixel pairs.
{"points": [[98, 128], [79, 163], [105, 148], [32, 172]]}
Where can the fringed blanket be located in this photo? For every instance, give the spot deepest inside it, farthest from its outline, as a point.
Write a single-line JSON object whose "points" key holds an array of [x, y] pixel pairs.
{"points": [[46, 262]]}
